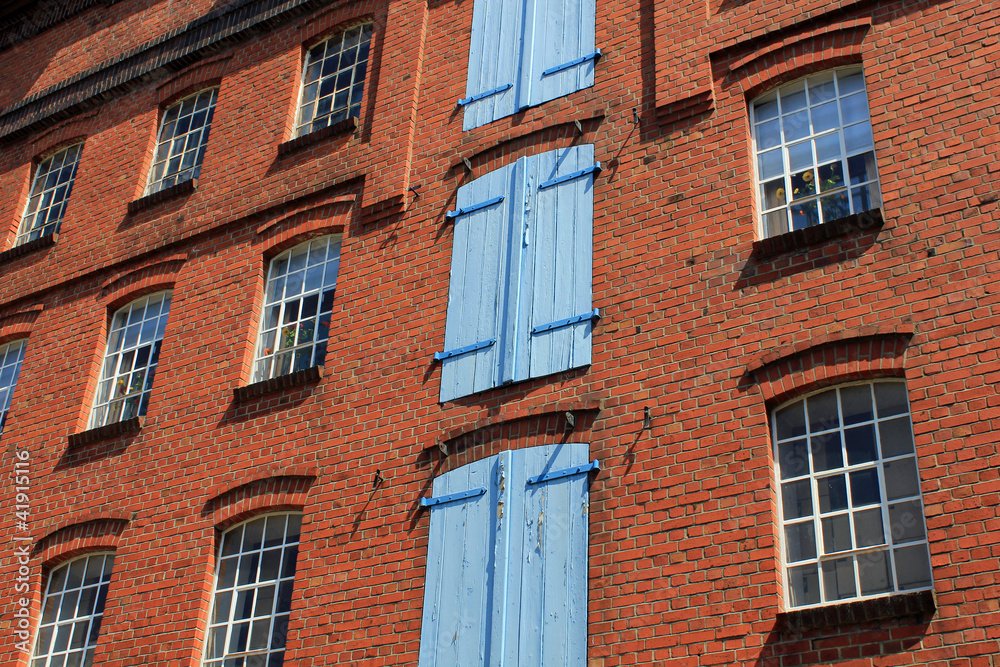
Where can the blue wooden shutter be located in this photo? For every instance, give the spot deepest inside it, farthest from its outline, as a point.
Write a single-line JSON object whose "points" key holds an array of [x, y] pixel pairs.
{"points": [[555, 313], [493, 84], [559, 49], [545, 604], [477, 294], [460, 559]]}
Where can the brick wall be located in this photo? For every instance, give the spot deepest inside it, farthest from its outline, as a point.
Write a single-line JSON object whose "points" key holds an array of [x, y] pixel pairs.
{"points": [[696, 325]]}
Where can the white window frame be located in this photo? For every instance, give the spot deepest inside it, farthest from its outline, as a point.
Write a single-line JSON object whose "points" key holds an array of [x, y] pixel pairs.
{"points": [[832, 141], [136, 333], [311, 112], [11, 358], [276, 354], [180, 148], [803, 480], [63, 613], [271, 616], [50, 191]]}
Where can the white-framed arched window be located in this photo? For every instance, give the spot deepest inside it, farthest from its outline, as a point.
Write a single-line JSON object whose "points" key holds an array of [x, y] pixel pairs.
{"points": [[131, 359], [814, 156], [252, 599], [852, 520], [298, 301], [72, 611]]}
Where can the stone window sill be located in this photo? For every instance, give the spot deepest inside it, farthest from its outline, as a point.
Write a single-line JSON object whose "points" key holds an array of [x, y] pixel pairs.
{"points": [[863, 611], [346, 126], [803, 238], [298, 378], [133, 425], [178, 190], [30, 246]]}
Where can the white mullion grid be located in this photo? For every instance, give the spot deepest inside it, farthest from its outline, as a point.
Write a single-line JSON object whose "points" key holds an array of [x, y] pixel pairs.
{"points": [[308, 118], [43, 656], [45, 206], [847, 189], [111, 401], [254, 588], [270, 356], [889, 545], [193, 141], [11, 356]]}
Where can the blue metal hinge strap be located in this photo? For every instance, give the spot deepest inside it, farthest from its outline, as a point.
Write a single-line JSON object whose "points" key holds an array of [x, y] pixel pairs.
{"points": [[475, 207], [472, 493], [439, 356], [596, 169], [485, 93], [592, 315], [565, 472], [576, 61]]}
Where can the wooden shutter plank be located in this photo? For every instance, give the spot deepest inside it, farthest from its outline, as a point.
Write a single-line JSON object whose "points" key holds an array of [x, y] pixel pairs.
{"points": [[457, 594], [475, 294], [559, 274], [546, 610], [559, 32], [494, 61]]}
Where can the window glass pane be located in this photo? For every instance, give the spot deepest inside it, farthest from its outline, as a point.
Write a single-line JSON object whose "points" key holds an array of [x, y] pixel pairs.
{"points": [[860, 442], [796, 499], [800, 541], [838, 579], [868, 527], [826, 452], [865, 487], [832, 493], [901, 479], [822, 410], [803, 584], [906, 521], [790, 422], [794, 458], [896, 436], [874, 572], [913, 568]]}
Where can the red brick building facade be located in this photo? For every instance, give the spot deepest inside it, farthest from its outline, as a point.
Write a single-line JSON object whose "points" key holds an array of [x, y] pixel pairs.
{"points": [[791, 240]]}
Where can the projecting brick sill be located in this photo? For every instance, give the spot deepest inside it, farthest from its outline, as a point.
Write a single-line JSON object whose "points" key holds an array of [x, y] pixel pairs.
{"points": [[30, 246], [305, 376], [803, 238], [178, 190], [862, 611], [346, 126], [133, 425]]}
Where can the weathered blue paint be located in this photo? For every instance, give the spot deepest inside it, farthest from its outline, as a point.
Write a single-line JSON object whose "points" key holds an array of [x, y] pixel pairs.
{"points": [[526, 52], [478, 264], [530, 605], [521, 273]]}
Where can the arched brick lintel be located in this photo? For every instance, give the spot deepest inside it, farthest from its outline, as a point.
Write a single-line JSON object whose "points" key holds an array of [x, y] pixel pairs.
{"points": [[860, 354], [770, 66], [80, 533], [267, 491]]}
